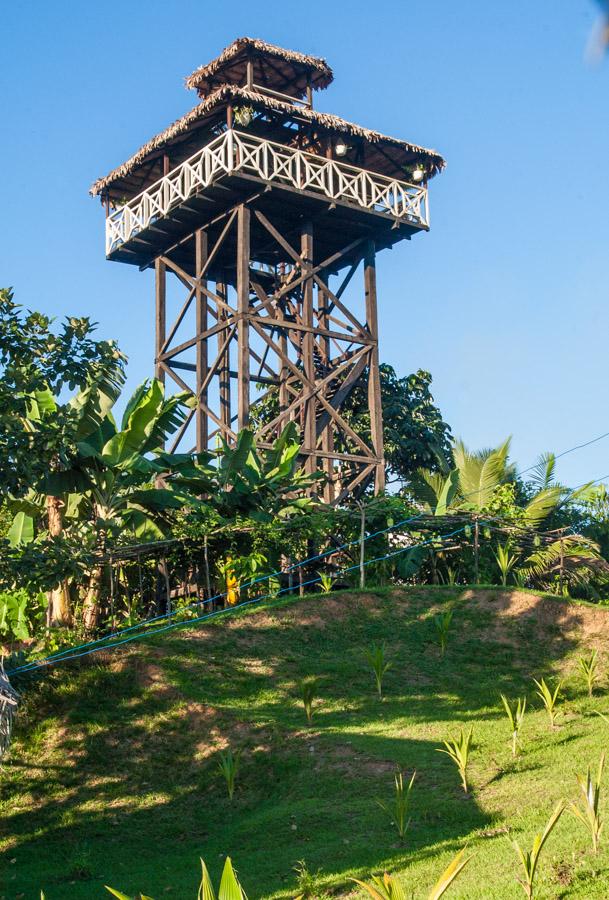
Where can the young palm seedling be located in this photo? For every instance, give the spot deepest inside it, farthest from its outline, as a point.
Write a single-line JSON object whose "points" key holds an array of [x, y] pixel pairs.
{"points": [[589, 669], [458, 749], [530, 858], [398, 810], [442, 624], [228, 766], [376, 658], [505, 560], [549, 698], [387, 887], [307, 688], [325, 582], [229, 889], [515, 716], [588, 812]]}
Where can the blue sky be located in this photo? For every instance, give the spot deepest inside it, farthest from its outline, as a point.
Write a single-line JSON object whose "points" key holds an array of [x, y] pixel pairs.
{"points": [[504, 301]]}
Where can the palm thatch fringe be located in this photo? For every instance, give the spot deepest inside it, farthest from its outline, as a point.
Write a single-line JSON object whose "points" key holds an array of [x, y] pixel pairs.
{"points": [[203, 77], [434, 161]]}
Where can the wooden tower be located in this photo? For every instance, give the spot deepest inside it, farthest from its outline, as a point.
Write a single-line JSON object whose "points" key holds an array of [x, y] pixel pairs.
{"points": [[263, 211]]}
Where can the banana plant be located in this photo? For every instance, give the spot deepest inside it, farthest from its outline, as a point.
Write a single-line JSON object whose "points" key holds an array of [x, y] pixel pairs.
{"points": [[118, 480]]}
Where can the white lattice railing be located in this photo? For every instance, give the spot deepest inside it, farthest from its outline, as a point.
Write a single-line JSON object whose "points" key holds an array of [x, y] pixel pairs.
{"points": [[235, 151]]}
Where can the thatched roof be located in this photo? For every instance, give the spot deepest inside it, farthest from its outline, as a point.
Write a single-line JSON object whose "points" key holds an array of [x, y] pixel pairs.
{"points": [[402, 152], [280, 70]]}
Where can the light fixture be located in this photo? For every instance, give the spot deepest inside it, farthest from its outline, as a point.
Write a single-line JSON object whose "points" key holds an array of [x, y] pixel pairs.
{"points": [[340, 148], [418, 173]]}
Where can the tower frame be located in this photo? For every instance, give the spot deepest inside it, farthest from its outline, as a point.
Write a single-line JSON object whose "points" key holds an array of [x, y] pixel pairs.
{"points": [[267, 228]]}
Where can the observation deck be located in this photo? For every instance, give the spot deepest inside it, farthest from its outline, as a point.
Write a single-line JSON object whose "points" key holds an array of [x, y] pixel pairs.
{"points": [[198, 189]]}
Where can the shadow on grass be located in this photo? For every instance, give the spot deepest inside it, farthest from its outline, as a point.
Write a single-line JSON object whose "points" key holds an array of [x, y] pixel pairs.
{"points": [[125, 789]]}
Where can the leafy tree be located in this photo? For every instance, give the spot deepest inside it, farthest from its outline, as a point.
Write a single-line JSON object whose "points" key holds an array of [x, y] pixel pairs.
{"points": [[414, 432], [37, 363]]}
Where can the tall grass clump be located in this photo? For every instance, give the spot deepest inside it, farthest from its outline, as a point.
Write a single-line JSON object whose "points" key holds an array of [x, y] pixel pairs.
{"points": [[459, 749], [588, 810], [442, 624], [549, 698], [379, 665], [589, 668], [530, 858], [398, 810], [228, 766], [515, 714]]}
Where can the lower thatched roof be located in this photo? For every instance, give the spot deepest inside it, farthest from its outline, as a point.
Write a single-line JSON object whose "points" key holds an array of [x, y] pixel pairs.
{"points": [[432, 160]]}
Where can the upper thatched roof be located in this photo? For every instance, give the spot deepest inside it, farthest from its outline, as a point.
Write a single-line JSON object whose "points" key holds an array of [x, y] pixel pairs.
{"points": [[280, 70], [402, 152]]}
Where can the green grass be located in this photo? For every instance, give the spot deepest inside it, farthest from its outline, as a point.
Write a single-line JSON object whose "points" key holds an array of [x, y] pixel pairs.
{"points": [[113, 775]]}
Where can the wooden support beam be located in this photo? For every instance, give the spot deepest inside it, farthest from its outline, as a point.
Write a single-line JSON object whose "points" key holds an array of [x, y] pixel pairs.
{"points": [[160, 281], [202, 427], [374, 375], [224, 360], [243, 329], [327, 433], [308, 342]]}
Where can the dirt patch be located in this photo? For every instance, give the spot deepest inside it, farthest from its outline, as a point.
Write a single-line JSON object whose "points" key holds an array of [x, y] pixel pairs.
{"points": [[544, 617]]}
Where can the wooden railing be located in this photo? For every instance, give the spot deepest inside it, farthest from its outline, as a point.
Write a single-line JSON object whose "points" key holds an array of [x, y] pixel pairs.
{"points": [[234, 152]]}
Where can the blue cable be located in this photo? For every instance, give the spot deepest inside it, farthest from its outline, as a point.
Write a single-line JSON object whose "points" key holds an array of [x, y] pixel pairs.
{"points": [[49, 661]]}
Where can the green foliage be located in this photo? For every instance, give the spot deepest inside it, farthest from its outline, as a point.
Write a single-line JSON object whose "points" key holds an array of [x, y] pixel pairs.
{"points": [[589, 669], [308, 690], [530, 858], [387, 887], [505, 560], [19, 613], [515, 714], [398, 810], [458, 749], [228, 766], [549, 698], [379, 665], [326, 582], [230, 888], [442, 623], [37, 363], [588, 812]]}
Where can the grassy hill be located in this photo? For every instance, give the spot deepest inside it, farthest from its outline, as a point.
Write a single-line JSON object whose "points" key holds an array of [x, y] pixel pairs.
{"points": [[113, 776]]}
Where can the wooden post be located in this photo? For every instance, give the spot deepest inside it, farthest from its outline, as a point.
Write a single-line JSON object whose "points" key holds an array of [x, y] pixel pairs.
{"points": [[362, 545], [327, 435], [243, 300], [562, 567], [374, 375], [309, 423], [224, 367], [202, 426], [476, 552], [160, 277], [309, 93]]}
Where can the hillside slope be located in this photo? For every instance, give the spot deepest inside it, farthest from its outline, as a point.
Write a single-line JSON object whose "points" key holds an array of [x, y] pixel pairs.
{"points": [[113, 773]]}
